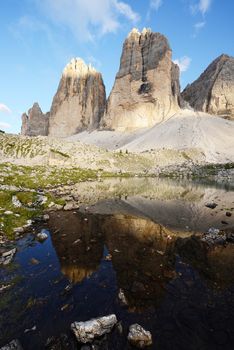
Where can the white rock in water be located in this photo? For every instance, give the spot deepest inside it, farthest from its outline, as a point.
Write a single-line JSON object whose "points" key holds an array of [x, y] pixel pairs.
{"points": [[13, 345], [85, 332], [16, 202], [122, 297], [42, 236], [7, 257], [139, 337]]}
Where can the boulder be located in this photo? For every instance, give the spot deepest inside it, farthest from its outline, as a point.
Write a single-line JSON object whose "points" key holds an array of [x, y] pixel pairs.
{"points": [[213, 91], [79, 102], [146, 89], [7, 256], [13, 345], [42, 236], [139, 337], [35, 123], [86, 332]]}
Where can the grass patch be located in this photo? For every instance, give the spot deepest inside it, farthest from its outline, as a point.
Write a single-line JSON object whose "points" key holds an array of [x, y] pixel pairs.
{"points": [[30, 209]]}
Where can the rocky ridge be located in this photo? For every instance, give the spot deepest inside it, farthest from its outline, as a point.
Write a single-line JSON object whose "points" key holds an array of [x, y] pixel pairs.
{"points": [[146, 89], [35, 123], [146, 94], [213, 91]]}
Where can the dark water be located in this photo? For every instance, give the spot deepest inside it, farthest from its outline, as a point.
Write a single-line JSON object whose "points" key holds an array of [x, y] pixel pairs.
{"points": [[143, 246]]}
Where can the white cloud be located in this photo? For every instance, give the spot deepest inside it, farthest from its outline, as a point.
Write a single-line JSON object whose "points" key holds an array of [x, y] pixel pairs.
{"points": [[155, 4], [197, 27], [88, 19], [125, 10], [201, 6], [204, 6], [4, 108], [4, 125], [183, 63]]}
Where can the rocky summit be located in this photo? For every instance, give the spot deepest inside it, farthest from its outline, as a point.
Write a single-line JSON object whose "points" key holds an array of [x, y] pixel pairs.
{"points": [[146, 94], [35, 123], [79, 102], [146, 89], [213, 91]]}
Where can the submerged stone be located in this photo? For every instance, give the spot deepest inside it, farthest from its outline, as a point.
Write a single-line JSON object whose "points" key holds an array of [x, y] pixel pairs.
{"points": [[13, 345], [42, 236], [7, 256]]}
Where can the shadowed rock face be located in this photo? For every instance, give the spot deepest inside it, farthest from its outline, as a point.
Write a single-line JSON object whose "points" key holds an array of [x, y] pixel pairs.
{"points": [[146, 89], [213, 91], [35, 123], [79, 102]]}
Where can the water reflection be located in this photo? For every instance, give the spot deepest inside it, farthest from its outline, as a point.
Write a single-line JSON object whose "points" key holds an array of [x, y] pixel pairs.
{"points": [[141, 237], [143, 254], [176, 205]]}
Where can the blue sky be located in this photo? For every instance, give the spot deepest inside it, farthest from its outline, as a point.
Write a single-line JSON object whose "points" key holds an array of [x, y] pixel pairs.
{"points": [[39, 37]]}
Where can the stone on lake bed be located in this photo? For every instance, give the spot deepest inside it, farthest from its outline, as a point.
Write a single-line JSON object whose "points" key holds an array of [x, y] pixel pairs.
{"points": [[86, 332], [7, 256], [42, 236], [13, 345], [139, 337]]}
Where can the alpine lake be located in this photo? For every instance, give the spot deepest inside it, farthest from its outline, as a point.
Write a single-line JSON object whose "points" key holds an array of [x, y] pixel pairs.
{"points": [[143, 249]]}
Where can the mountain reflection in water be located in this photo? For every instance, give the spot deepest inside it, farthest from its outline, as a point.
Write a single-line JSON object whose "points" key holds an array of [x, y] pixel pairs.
{"points": [[143, 253], [141, 238], [140, 251]]}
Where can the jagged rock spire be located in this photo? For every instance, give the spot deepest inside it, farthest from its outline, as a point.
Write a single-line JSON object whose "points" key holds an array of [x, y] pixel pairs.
{"points": [[213, 91], [79, 102], [146, 89]]}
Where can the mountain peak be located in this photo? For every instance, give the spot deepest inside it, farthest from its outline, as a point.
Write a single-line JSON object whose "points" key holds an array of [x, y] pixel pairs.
{"points": [[78, 67], [136, 32]]}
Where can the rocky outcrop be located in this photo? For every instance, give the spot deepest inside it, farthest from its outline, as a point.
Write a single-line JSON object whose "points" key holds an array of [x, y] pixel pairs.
{"points": [[35, 123], [79, 102], [146, 89], [86, 332], [213, 91]]}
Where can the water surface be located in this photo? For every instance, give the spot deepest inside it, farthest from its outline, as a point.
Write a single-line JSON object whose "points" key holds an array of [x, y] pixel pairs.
{"points": [[135, 236]]}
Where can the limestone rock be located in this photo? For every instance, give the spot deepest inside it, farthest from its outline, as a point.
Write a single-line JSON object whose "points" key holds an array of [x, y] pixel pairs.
{"points": [[13, 345], [213, 91], [7, 256], [35, 123], [146, 89], [79, 102], [85, 332], [139, 337], [42, 236]]}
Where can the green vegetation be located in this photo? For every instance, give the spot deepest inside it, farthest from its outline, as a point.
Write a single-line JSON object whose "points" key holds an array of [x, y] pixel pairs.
{"points": [[41, 176], [24, 182], [12, 217]]}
